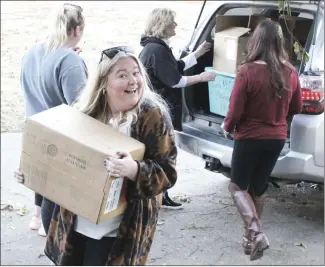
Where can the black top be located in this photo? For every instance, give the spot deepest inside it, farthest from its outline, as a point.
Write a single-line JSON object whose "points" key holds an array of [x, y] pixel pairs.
{"points": [[162, 67]]}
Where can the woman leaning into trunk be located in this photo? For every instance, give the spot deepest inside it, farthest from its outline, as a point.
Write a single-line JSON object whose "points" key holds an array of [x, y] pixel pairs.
{"points": [[265, 92], [120, 97], [165, 72]]}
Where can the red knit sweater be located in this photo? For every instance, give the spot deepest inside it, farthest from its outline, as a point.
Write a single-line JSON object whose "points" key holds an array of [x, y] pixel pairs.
{"points": [[254, 111]]}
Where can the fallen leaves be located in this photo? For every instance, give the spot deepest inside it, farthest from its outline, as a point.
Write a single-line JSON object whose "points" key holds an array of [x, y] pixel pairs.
{"points": [[182, 198], [21, 209], [8, 207], [161, 222]]}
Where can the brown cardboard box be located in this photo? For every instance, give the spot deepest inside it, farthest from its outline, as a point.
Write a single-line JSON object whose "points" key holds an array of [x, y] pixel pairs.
{"points": [[62, 159], [230, 40], [229, 47]]}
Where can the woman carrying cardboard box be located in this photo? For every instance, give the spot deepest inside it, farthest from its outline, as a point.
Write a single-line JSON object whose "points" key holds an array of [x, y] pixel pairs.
{"points": [[120, 96], [266, 91], [165, 72], [52, 74]]}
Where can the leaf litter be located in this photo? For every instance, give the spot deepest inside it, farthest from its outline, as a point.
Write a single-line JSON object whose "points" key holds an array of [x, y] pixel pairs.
{"points": [[19, 208]]}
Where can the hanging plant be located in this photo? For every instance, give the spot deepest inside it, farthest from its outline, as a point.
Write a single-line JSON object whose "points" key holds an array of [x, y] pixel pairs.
{"points": [[284, 8]]}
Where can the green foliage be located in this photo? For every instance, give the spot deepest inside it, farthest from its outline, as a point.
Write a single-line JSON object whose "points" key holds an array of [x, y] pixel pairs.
{"points": [[284, 7]]}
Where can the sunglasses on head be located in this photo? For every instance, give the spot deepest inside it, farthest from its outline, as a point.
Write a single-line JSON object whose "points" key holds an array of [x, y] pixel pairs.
{"points": [[112, 52]]}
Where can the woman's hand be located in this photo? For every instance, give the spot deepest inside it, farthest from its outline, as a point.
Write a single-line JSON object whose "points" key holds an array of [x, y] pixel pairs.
{"points": [[227, 135], [202, 49], [77, 49], [207, 76], [19, 177], [125, 166]]}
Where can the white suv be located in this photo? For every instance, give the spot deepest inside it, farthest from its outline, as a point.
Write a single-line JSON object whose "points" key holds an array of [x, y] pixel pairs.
{"points": [[302, 159]]}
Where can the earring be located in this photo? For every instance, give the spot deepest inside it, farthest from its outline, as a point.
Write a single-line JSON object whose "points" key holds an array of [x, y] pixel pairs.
{"points": [[104, 91]]}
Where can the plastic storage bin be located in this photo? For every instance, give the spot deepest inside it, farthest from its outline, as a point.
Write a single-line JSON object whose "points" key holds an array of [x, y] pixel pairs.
{"points": [[219, 91]]}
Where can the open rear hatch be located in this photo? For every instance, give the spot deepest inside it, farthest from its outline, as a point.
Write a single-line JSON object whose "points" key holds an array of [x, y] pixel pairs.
{"points": [[206, 103]]}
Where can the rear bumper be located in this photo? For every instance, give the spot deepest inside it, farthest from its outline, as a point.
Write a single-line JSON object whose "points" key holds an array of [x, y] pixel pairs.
{"points": [[293, 165], [298, 166]]}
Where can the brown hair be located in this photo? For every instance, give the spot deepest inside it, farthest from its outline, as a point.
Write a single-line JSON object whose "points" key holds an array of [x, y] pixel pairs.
{"points": [[266, 44]]}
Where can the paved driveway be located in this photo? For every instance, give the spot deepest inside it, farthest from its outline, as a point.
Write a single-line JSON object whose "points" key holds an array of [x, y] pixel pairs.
{"points": [[206, 232]]}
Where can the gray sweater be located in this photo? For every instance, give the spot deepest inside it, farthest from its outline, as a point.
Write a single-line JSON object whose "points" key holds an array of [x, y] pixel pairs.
{"points": [[49, 80]]}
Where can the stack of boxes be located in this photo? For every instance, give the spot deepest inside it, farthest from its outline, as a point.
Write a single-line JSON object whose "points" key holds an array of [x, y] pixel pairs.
{"points": [[230, 40]]}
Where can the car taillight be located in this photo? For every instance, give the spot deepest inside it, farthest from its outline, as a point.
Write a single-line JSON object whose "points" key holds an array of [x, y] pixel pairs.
{"points": [[312, 94]]}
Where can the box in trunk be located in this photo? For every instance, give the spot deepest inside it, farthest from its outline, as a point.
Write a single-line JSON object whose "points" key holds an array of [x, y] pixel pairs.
{"points": [[219, 92], [230, 40], [62, 159]]}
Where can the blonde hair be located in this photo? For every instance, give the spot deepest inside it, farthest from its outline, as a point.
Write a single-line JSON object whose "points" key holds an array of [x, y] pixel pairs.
{"points": [[67, 18], [159, 19], [93, 101]]}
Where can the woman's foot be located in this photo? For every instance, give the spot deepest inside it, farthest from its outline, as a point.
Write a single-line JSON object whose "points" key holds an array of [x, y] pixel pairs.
{"points": [[35, 223], [247, 246], [41, 231], [168, 203], [254, 241], [256, 246], [259, 244]]}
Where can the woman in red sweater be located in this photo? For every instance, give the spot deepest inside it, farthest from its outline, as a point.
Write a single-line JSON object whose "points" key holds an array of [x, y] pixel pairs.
{"points": [[265, 92]]}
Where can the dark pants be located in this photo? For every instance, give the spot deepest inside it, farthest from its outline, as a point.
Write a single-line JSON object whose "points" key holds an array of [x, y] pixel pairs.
{"points": [[38, 200], [173, 97], [47, 212], [253, 161], [47, 208], [89, 251]]}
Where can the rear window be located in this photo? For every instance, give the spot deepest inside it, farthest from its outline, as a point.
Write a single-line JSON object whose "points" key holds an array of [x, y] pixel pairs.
{"points": [[244, 11], [301, 30]]}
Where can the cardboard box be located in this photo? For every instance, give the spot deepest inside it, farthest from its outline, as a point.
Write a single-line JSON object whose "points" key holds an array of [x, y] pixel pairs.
{"points": [[229, 49], [230, 40], [62, 159]]}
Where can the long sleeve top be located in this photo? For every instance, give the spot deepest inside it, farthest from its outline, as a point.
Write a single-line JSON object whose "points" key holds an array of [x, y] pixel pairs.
{"points": [[254, 112]]}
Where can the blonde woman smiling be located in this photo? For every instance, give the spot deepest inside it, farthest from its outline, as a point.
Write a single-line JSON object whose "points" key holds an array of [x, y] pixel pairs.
{"points": [[120, 96]]}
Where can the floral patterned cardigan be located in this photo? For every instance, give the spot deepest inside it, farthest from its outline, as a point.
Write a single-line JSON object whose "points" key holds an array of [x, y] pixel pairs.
{"points": [[156, 174]]}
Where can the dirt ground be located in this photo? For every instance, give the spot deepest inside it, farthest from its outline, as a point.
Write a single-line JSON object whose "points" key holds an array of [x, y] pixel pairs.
{"points": [[207, 231], [108, 23]]}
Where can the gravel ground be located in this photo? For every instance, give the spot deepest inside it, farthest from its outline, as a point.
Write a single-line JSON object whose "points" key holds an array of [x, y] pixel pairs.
{"points": [[108, 23]]}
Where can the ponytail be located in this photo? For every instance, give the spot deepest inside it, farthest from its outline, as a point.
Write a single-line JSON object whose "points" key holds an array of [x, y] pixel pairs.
{"points": [[68, 18]]}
